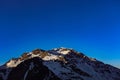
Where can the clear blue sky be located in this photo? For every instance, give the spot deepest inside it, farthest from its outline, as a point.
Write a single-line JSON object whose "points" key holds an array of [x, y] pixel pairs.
{"points": [[89, 26]]}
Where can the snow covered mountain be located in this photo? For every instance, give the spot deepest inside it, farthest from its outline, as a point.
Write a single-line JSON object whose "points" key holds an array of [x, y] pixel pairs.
{"points": [[57, 64]]}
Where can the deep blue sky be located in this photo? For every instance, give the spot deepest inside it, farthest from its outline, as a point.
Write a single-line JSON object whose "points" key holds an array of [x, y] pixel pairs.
{"points": [[89, 26]]}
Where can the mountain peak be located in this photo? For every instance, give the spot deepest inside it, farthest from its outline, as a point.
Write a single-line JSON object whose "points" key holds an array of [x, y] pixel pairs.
{"points": [[63, 50], [61, 63]]}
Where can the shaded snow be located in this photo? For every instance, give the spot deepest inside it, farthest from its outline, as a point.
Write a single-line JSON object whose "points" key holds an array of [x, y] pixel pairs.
{"points": [[5, 76], [30, 68]]}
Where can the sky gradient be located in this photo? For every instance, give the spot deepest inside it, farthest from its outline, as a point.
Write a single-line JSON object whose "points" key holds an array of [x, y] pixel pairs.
{"points": [[88, 26]]}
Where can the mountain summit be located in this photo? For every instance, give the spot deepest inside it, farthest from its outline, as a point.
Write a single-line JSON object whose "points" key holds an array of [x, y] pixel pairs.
{"points": [[57, 64]]}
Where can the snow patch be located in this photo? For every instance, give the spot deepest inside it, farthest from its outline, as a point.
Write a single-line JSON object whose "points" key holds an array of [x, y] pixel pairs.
{"points": [[50, 57], [33, 55], [64, 52], [13, 63], [30, 68]]}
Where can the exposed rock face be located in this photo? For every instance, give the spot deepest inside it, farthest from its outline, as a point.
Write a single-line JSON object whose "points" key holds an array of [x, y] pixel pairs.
{"points": [[32, 69], [57, 64]]}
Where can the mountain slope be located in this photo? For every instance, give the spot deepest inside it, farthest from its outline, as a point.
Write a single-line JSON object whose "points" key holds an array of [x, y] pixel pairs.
{"points": [[57, 64]]}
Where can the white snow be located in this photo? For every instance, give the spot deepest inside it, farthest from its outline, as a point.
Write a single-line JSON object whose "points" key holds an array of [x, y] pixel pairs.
{"points": [[51, 57], [64, 52], [55, 49], [33, 55], [13, 63], [61, 50], [59, 69]]}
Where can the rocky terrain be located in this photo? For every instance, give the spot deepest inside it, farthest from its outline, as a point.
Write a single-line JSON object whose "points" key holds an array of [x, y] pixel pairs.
{"points": [[57, 64]]}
